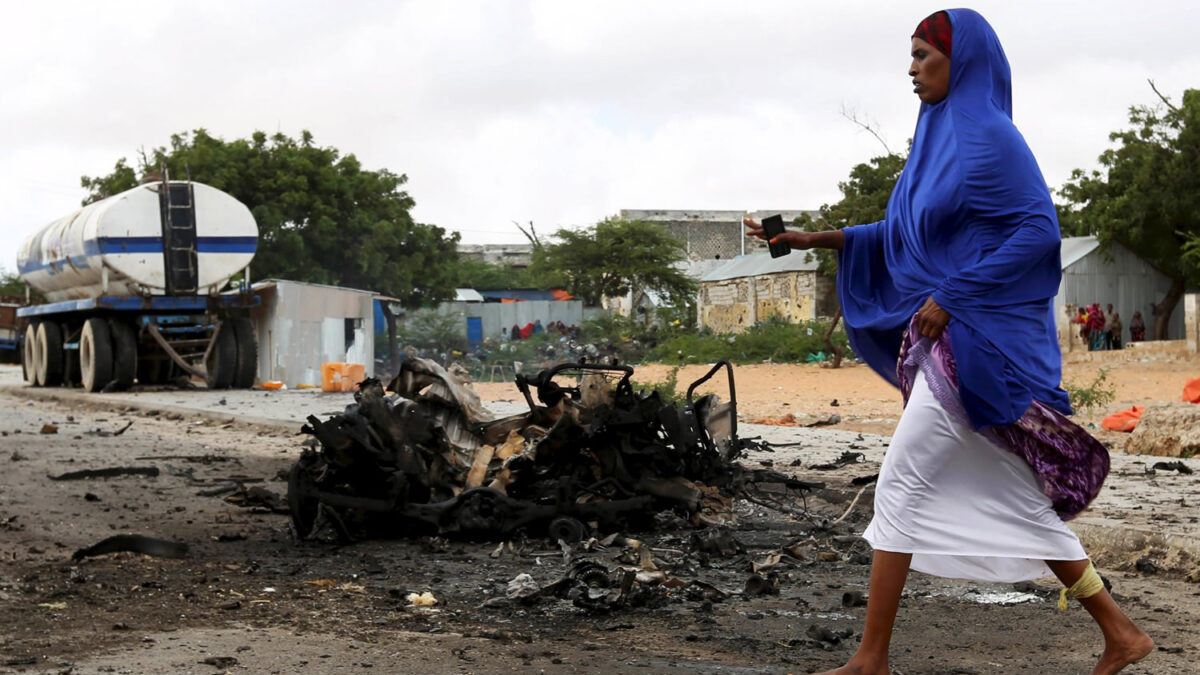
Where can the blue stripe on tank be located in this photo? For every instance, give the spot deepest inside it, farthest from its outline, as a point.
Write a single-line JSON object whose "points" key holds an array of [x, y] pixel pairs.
{"points": [[133, 245]]}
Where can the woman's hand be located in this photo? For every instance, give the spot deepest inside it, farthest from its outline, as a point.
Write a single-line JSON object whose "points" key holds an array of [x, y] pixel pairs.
{"points": [[794, 238], [932, 319]]}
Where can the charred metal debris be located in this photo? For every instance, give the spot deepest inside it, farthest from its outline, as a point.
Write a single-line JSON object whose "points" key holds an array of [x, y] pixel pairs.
{"points": [[591, 455]]}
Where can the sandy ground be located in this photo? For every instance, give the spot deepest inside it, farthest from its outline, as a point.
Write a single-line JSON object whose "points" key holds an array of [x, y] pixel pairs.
{"points": [[250, 598], [865, 402]]}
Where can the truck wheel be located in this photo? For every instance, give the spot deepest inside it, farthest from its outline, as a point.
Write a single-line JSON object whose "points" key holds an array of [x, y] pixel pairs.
{"points": [[95, 355], [125, 356], [247, 353], [49, 354], [221, 363], [29, 353]]}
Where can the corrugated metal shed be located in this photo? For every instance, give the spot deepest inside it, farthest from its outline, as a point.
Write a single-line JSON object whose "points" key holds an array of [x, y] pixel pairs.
{"points": [[300, 326], [1127, 282], [757, 264], [1075, 248]]}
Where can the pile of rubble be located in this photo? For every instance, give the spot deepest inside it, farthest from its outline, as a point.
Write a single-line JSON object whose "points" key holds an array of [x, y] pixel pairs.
{"points": [[592, 455]]}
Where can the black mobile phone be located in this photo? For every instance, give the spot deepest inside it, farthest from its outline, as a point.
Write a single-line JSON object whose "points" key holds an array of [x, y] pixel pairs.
{"points": [[773, 225]]}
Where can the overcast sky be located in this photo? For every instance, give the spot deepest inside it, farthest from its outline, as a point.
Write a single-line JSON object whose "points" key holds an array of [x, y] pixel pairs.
{"points": [[552, 111]]}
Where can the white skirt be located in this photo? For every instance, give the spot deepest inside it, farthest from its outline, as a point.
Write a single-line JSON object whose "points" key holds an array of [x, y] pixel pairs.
{"points": [[963, 506]]}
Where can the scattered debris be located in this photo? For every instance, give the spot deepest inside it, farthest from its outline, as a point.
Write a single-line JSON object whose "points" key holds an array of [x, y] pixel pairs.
{"points": [[847, 457], [1173, 466], [854, 599], [111, 472], [425, 599], [257, 497], [49, 429], [106, 434], [220, 661], [135, 543], [594, 455], [828, 421]]}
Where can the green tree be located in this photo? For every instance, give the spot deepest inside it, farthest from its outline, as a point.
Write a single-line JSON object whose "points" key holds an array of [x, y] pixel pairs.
{"points": [[321, 216], [864, 199], [1146, 196], [615, 257], [11, 284]]}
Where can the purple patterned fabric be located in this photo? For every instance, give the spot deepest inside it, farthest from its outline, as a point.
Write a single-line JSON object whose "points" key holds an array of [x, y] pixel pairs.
{"points": [[1070, 464]]}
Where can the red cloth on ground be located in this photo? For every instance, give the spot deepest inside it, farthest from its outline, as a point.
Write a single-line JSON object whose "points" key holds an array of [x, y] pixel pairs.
{"points": [[1126, 420], [1191, 391]]}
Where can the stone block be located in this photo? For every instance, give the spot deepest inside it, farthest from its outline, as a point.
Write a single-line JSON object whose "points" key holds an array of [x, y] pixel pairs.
{"points": [[1167, 430]]}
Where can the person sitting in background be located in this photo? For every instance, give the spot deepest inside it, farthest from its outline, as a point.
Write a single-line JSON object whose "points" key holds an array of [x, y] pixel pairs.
{"points": [[516, 332], [1137, 329], [1114, 331], [537, 327]]}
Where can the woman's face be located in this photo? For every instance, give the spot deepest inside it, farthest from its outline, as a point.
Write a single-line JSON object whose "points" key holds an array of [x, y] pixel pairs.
{"points": [[930, 71]]}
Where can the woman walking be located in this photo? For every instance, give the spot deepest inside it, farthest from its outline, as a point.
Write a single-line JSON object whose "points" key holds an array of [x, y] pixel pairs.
{"points": [[950, 298]]}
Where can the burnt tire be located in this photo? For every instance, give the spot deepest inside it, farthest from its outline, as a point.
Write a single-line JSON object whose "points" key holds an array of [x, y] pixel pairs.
{"points": [[303, 505], [49, 354], [29, 352], [246, 370], [221, 364], [95, 355], [125, 353]]}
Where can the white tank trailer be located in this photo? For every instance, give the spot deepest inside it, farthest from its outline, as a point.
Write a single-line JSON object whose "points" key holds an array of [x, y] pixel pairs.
{"points": [[135, 283]]}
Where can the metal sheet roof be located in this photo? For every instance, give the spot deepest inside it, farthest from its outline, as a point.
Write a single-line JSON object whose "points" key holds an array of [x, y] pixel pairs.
{"points": [[1075, 248], [467, 295], [756, 264]]}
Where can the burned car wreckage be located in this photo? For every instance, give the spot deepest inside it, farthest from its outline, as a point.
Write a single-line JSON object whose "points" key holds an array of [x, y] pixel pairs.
{"points": [[595, 454]]}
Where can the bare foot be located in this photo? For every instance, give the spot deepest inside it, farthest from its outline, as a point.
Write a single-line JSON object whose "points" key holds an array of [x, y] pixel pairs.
{"points": [[1122, 653]]}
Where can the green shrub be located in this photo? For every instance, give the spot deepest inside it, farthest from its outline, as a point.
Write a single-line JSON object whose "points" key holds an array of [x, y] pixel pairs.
{"points": [[774, 340], [1093, 395], [430, 330], [667, 388]]}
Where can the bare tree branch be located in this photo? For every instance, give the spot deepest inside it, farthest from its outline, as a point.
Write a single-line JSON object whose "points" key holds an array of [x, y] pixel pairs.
{"points": [[1164, 99], [531, 235], [852, 117]]}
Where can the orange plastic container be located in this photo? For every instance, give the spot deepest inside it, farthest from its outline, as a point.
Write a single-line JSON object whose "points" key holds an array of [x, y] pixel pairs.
{"points": [[337, 376]]}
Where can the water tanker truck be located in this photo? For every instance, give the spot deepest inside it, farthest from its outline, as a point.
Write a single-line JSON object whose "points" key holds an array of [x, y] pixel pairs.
{"points": [[134, 291]]}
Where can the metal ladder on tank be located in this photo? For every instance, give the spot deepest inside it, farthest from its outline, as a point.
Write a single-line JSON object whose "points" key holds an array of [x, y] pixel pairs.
{"points": [[179, 249]]}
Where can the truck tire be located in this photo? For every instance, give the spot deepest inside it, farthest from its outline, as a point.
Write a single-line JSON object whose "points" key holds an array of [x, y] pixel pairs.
{"points": [[125, 353], [221, 363], [49, 354], [247, 353], [29, 352], [95, 355]]}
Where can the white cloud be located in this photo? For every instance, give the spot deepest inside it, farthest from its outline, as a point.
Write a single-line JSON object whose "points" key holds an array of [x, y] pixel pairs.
{"points": [[546, 110]]}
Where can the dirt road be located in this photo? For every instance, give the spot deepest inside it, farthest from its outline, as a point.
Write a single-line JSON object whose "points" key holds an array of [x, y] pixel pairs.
{"points": [[248, 598], [866, 403]]}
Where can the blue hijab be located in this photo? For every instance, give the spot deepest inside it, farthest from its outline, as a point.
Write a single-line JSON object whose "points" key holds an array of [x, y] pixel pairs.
{"points": [[971, 224]]}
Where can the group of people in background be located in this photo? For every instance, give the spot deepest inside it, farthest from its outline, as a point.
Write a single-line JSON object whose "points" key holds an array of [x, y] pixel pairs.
{"points": [[529, 330], [1101, 329]]}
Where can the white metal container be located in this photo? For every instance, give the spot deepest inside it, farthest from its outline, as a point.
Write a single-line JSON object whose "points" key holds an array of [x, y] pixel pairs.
{"points": [[115, 246]]}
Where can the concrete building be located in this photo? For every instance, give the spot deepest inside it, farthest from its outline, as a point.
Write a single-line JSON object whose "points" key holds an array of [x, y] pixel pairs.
{"points": [[710, 235], [508, 255], [301, 325], [1126, 281], [750, 288]]}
